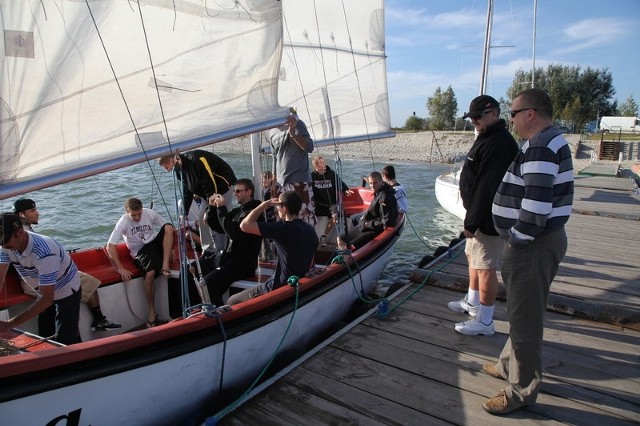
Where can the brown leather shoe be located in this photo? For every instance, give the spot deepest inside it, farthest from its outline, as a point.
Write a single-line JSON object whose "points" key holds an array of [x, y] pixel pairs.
{"points": [[501, 404], [491, 370]]}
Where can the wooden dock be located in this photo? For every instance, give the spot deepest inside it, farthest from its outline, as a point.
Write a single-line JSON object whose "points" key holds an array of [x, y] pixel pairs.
{"points": [[412, 368]]}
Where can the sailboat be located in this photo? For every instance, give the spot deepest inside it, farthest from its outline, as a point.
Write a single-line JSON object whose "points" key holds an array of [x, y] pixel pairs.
{"points": [[90, 87]]}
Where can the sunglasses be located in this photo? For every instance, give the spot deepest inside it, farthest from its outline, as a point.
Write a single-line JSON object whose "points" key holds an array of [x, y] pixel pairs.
{"points": [[482, 114], [237, 191], [515, 112]]}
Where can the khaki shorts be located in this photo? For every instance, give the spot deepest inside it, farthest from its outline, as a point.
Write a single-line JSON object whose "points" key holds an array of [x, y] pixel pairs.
{"points": [[88, 285], [484, 251]]}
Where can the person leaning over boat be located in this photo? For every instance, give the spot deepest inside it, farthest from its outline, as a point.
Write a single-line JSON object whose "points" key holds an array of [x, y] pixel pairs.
{"points": [[29, 215], [291, 145], [324, 193], [295, 241], [486, 163], [389, 177], [382, 212], [530, 210], [150, 249], [202, 173], [40, 258], [240, 256]]}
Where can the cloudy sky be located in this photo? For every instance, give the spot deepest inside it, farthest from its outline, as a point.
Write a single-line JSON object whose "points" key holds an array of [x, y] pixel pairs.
{"points": [[433, 43]]}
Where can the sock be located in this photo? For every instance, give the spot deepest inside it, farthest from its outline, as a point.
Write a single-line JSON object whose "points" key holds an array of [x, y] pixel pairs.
{"points": [[97, 313], [485, 314], [473, 297]]}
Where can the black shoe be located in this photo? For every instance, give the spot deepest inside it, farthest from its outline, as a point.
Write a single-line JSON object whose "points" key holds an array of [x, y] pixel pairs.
{"points": [[103, 325]]}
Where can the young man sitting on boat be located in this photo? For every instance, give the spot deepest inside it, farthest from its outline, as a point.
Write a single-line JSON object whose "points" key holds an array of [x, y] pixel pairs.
{"points": [[295, 241], [150, 249], [40, 258], [239, 259], [26, 209], [382, 212], [389, 177]]}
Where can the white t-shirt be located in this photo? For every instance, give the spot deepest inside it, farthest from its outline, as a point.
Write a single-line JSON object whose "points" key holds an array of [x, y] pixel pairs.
{"points": [[137, 234]]}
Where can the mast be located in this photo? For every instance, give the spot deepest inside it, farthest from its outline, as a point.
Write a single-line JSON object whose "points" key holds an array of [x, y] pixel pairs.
{"points": [[487, 48], [533, 61]]}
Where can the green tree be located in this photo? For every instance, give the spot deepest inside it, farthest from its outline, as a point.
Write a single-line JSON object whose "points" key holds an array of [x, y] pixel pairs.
{"points": [[442, 107], [578, 95], [414, 123], [628, 108]]}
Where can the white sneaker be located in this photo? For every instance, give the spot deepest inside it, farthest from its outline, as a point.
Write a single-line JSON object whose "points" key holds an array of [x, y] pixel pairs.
{"points": [[463, 306], [473, 327]]}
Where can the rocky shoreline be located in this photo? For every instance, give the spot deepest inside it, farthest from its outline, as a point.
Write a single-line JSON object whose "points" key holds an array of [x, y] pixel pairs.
{"points": [[423, 147]]}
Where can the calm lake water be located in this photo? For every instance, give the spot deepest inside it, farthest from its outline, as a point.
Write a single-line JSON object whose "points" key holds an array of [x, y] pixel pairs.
{"points": [[82, 214]]}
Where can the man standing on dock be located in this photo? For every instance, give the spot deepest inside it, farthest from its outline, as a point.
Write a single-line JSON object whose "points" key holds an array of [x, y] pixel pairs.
{"points": [[487, 161], [530, 210]]}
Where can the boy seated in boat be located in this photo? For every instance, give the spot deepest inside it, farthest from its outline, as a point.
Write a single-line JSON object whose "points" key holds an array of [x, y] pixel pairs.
{"points": [[40, 258], [295, 242], [382, 212], [151, 249]]}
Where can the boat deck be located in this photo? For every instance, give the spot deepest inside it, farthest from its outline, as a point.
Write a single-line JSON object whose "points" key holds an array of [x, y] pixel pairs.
{"points": [[411, 367]]}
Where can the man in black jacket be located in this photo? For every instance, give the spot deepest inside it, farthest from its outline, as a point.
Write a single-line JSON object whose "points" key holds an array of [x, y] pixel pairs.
{"points": [[240, 256], [382, 213], [487, 161], [202, 173]]}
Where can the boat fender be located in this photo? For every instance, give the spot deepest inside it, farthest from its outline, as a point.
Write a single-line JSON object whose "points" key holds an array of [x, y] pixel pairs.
{"points": [[426, 260], [383, 308], [440, 251], [454, 242], [293, 281]]}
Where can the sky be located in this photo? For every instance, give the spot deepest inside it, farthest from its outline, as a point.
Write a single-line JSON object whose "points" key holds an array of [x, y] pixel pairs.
{"points": [[439, 43]]}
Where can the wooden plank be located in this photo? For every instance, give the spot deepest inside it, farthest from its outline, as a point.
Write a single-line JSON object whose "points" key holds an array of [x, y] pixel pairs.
{"points": [[408, 387], [463, 370], [290, 404]]}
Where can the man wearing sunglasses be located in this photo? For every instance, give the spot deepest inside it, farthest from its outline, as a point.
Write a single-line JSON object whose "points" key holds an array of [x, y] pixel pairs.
{"points": [[530, 210], [487, 161], [240, 255]]}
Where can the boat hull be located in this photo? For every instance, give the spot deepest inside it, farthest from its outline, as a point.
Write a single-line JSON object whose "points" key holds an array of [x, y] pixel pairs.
{"points": [[175, 369], [448, 194]]}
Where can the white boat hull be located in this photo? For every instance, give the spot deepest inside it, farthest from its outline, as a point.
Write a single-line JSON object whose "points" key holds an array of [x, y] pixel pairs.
{"points": [[448, 194]]}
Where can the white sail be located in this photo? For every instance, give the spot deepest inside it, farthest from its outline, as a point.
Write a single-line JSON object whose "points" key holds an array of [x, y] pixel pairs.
{"points": [[78, 93], [334, 68]]}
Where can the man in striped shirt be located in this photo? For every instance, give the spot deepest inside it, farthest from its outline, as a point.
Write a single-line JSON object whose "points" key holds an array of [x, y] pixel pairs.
{"points": [[42, 260], [530, 210]]}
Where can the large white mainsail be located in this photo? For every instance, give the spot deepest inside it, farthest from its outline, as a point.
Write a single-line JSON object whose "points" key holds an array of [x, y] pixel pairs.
{"points": [[78, 90], [334, 68]]}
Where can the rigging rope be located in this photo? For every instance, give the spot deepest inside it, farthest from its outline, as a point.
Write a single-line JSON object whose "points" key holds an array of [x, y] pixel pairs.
{"points": [[293, 281]]}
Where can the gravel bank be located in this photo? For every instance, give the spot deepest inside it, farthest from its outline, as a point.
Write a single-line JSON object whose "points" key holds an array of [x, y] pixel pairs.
{"points": [[423, 147]]}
